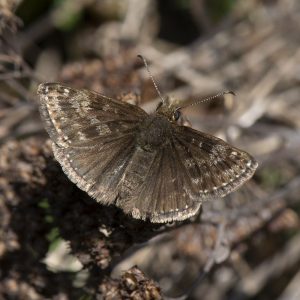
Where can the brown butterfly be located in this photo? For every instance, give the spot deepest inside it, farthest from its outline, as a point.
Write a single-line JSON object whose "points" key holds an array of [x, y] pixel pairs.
{"points": [[148, 165]]}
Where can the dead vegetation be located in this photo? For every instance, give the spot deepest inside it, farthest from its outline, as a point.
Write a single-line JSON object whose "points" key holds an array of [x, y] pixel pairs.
{"points": [[245, 246]]}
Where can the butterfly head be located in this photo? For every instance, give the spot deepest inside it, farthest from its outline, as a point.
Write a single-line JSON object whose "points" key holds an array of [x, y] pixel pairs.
{"points": [[168, 109]]}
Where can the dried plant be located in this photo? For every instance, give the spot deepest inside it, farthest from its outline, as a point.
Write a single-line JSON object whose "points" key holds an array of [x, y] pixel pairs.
{"points": [[243, 247]]}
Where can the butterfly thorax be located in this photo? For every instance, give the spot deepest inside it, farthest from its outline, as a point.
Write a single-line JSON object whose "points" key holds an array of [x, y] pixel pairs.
{"points": [[154, 131]]}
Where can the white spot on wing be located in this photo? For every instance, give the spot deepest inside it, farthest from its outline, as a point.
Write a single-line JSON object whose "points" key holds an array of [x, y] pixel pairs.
{"points": [[81, 136], [94, 121], [103, 129]]}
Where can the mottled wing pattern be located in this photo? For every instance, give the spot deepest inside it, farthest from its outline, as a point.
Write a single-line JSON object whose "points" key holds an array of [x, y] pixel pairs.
{"points": [[94, 139], [93, 136], [162, 188], [214, 167], [193, 167]]}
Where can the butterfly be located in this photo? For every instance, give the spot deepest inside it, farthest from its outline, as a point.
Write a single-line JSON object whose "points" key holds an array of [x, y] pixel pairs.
{"points": [[146, 164]]}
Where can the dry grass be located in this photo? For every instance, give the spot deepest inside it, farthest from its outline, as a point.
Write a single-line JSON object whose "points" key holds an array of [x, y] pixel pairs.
{"points": [[243, 247]]}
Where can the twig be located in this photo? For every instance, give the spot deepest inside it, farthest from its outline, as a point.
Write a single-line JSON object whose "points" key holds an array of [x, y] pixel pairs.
{"points": [[217, 256], [275, 266]]}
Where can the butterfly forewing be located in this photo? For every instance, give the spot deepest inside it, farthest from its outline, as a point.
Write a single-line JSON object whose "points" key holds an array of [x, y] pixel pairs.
{"points": [[81, 117], [213, 166], [93, 136]]}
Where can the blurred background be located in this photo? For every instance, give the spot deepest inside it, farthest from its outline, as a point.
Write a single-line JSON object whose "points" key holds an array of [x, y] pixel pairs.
{"points": [[54, 245]]}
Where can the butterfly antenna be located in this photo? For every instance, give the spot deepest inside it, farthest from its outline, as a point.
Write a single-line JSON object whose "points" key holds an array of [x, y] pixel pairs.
{"points": [[208, 98], [151, 77]]}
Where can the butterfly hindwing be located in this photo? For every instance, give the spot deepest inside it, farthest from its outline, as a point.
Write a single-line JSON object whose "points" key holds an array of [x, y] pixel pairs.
{"points": [[162, 191]]}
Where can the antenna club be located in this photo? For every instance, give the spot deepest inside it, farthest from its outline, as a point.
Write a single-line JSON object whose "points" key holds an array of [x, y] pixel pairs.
{"points": [[229, 92], [208, 98]]}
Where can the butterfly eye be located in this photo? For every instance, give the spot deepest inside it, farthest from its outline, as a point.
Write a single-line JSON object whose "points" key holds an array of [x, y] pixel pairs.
{"points": [[176, 115]]}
